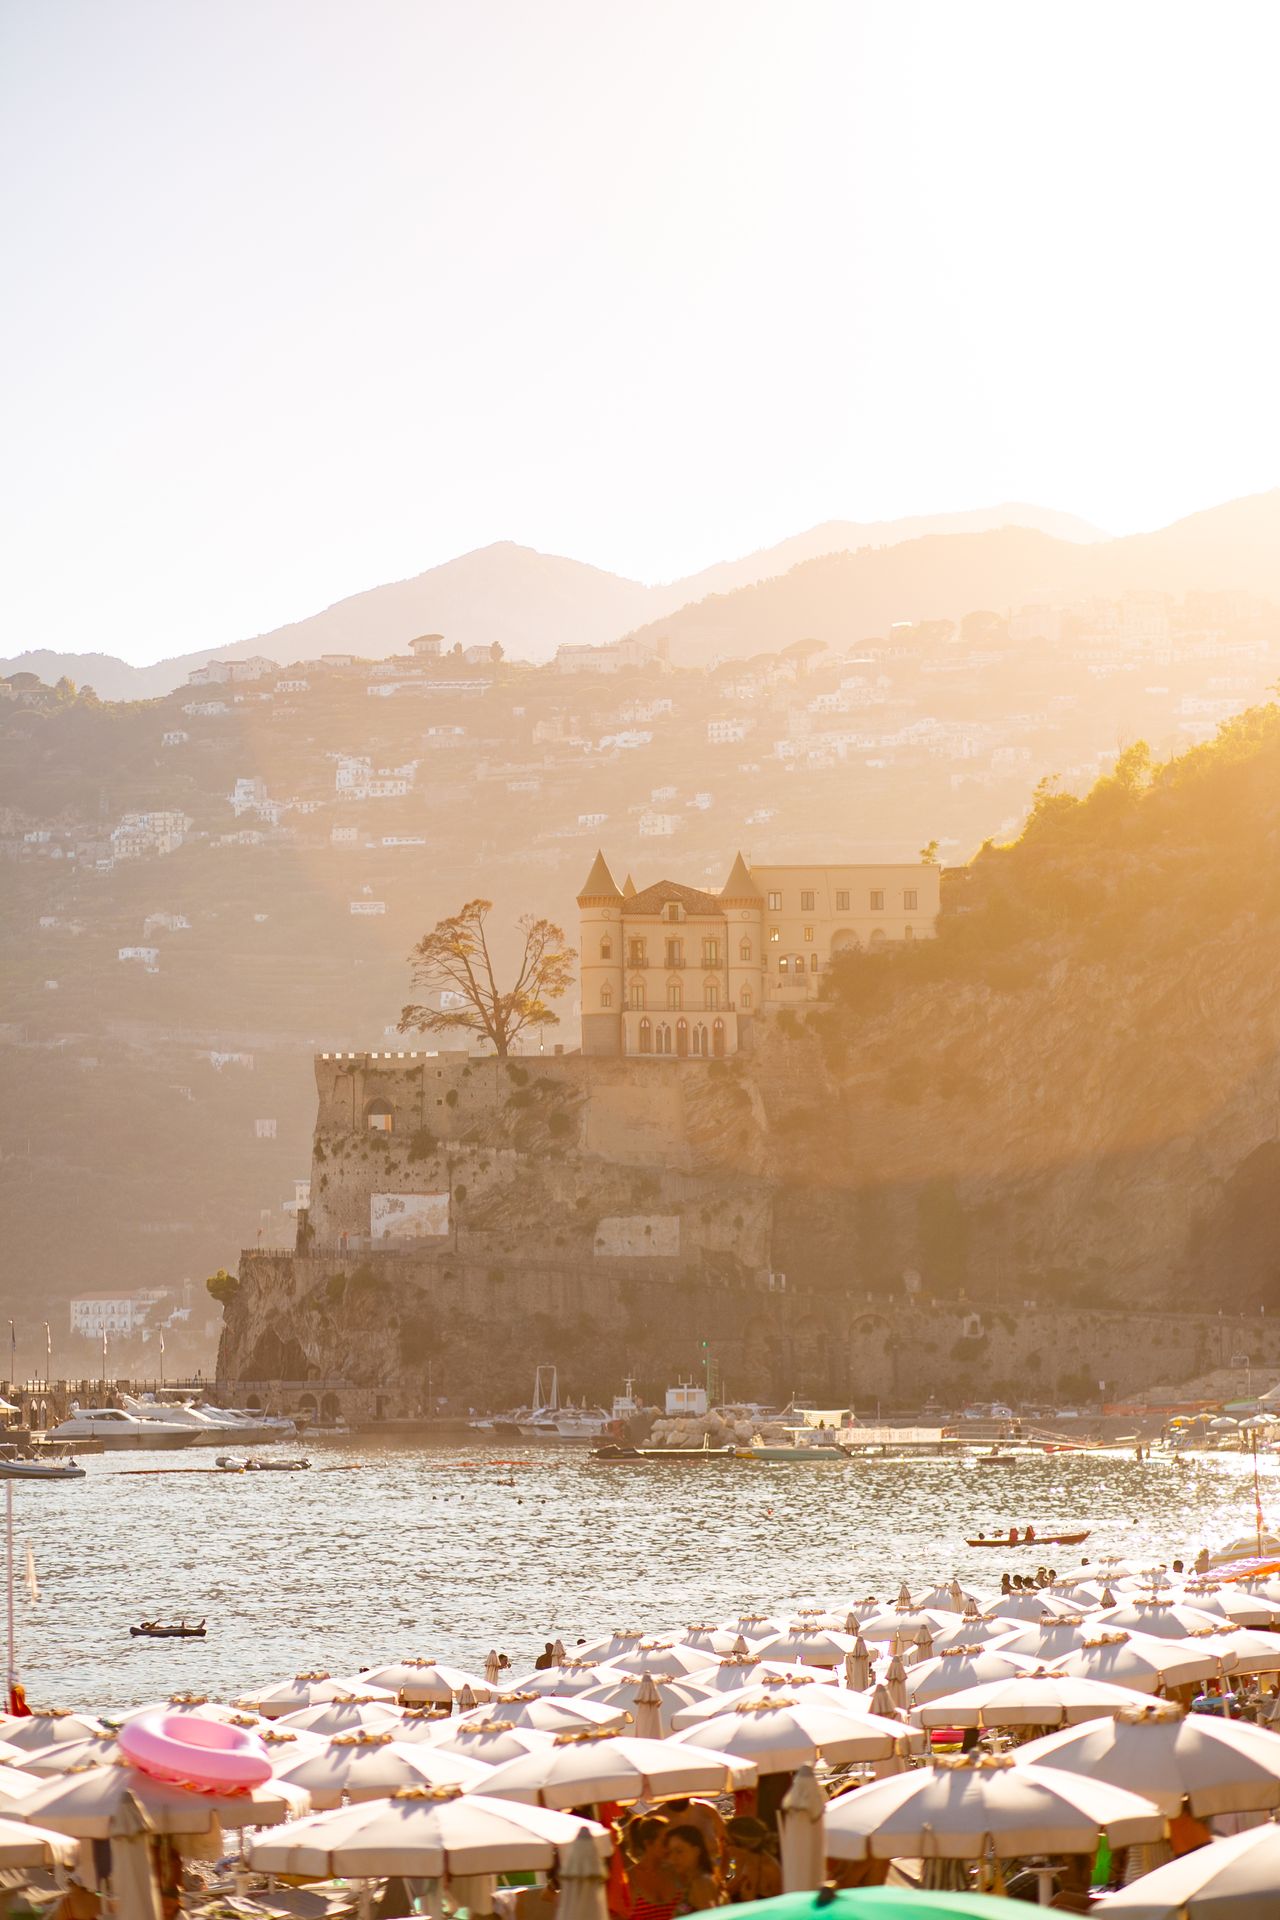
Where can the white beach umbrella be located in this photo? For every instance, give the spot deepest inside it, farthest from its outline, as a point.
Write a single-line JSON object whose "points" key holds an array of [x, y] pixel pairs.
{"points": [[135, 1884], [582, 1768], [491, 1741], [569, 1679], [1242, 1649], [344, 1716], [369, 1766], [961, 1809], [424, 1834], [961, 1667], [667, 1659], [84, 1804], [1241, 1608], [1234, 1879], [16, 1785], [978, 1630], [755, 1626], [1036, 1604], [1051, 1639], [99, 1750], [616, 1645], [904, 1623], [801, 1834], [739, 1670], [24, 1845], [1040, 1699], [285, 1746], [651, 1701], [1161, 1619], [421, 1682], [548, 1713], [1215, 1766], [783, 1734], [949, 1599], [49, 1727], [1141, 1661], [837, 1699], [303, 1690], [706, 1639], [428, 1724], [895, 1682], [808, 1647]]}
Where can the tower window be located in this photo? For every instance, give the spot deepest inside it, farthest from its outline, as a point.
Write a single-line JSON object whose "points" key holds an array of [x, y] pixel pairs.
{"points": [[637, 953], [775, 934], [637, 995], [606, 995], [606, 948], [744, 998], [744, 950]]}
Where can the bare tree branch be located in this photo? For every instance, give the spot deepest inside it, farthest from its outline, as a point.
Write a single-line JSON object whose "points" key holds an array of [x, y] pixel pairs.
{"points": [[455, 958]]}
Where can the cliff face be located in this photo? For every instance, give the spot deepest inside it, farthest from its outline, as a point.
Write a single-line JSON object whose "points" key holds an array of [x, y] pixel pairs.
{"points": [[1068, 1104]]}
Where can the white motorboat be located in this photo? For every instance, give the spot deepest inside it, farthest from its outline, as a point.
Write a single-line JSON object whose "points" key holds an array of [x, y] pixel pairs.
{"points": [[17, 1466], [580, 1423], [545, 1412], [118, 1430], [211, 1426]]}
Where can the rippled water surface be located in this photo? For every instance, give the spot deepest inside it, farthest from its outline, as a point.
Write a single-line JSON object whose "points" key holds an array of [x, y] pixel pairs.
{"points": [[385, 1551]]}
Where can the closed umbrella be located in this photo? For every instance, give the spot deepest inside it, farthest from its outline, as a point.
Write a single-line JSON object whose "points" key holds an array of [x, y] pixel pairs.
{"points": [[135, 1890], [801, 1833], [783, 1734], [492, 1668], [1233, 1879], [369, 1766], [958, 1810], [1141, 1661], [857, 1666], [1041, 1699], [647, 1710], [429, 1833], [344, 1716], [1215, 1766], [583, 1877], [895, 1680], [585, 1768]]}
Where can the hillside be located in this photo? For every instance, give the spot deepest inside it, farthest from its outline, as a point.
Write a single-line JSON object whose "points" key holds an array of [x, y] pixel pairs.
{"points": [[527, 602]]}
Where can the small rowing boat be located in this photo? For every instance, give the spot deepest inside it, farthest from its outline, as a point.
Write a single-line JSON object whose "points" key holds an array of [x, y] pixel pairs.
{"points": [[1029, 1538], [228, 1464], [172, 1630]]}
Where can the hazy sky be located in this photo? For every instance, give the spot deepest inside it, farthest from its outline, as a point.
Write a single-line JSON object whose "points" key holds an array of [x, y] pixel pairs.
{"points": [[304, 295]]}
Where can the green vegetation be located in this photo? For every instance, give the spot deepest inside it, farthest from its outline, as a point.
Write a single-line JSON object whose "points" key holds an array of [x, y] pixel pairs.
{"points": [[223, 1286]]}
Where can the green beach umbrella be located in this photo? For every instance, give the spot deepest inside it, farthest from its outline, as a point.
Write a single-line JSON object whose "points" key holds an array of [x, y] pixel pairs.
{"points": [[878, 1903]]}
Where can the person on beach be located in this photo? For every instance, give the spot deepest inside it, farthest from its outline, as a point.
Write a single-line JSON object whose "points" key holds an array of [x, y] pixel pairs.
{"points": [[753, 1871], [547, 1658], [652, 1884], [689, 1861], [706, 1816]]}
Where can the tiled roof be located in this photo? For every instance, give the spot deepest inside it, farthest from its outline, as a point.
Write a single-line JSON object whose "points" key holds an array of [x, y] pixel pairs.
{"points": [[662, 892]]}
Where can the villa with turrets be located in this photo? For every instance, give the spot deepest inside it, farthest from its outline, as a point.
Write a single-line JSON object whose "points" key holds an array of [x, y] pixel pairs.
{"points": [[673, 970]]}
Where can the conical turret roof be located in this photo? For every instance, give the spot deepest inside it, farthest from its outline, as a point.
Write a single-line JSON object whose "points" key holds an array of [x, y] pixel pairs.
{"points": [[599, 883], [739, 885], [628, 888]]}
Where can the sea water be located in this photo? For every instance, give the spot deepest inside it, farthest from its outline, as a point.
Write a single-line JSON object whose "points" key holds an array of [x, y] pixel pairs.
{"points": [[381, 1551]]}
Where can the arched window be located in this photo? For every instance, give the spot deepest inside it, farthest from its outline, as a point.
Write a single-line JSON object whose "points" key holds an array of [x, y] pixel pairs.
{"points": [[700, 1041], [782, 963], [637, 995], [711, 994], [682, 1038], [379, 1116], [606, 947], [877, 936], [813, 963], [675, 995], [744, 998], [606, 995], [717, 1039], [664, 1038], [646, 1037], [744, 950]]}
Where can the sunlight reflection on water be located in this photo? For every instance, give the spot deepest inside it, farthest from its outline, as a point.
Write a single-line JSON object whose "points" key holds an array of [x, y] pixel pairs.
{"points": [[424, 1551]]}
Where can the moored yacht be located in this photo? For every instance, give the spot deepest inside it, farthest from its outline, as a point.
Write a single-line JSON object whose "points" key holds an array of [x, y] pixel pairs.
{"points": [[118, 1430]]}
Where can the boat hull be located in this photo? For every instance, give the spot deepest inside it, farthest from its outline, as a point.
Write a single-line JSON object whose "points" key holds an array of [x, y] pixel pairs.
{"points": [[1040, 1540]]}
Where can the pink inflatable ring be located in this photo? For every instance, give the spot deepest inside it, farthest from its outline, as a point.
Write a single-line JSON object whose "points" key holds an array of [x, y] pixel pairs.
{"points": [[191, 1752]]}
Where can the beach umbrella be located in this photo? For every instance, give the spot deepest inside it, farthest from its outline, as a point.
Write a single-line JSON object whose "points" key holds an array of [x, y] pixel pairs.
{"points": [[1160, 1619], [779, 1735], [369, 1766], [582, 1768], [26, 1845], [651, 1702], [84, 1804], [956, 1669], [810, 1647], [1040, 1699], [895, 1681], [427, 1724], [879, 1704], [1051, 1639], [548, 1713], [492, 1668], [738, 1670], [838, 1699], [877, 1903], [621, 1641], [285, 1746], [923, 1647], [1242, 1649], [344, 1716], [857, 1666], [422, 1682], [49, 1727], [430, 1833], [304, 1690], [960, 1809], [491, 1741], [800, 1833], [574, 1677], [717, 1640], [1141, 1661], [755, 1626], [1234, 1879], [98, 1750], [583, 1878], [16, 1785], [667, 1659], [1036, 1604], [949, 1599], [1240, 1608], [1215, 1766], [904, 1623], [135, 1889], [978, 1630]]}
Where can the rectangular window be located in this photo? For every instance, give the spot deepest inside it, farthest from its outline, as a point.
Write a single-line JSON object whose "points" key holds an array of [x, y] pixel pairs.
{"points": [[842, 899], [711, 953], [909, 900], [808, 933], [675, 953], [806, 902], [637, 955], [637, 995], [877, 900], [775, 903], [775, 934], [711, 994]]}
